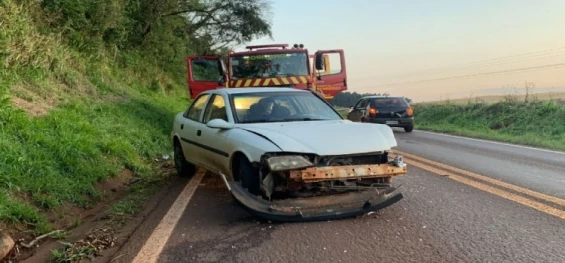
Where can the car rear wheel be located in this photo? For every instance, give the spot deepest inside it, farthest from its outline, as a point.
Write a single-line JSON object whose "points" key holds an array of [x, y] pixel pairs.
{"points": [[409, 128], [184, 168], [249, 176]]}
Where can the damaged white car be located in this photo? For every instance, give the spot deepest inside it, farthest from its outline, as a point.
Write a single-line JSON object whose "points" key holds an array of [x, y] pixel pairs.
{"points": [[285, 154]]}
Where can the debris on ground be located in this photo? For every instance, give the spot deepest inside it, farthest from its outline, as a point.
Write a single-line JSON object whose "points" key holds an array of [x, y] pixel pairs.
{"points": [[37, 239], [6, 245], [88, 247]]}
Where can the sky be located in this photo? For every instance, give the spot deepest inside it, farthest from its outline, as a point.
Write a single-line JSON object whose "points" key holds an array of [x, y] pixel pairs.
{"points": [[424, 49]]}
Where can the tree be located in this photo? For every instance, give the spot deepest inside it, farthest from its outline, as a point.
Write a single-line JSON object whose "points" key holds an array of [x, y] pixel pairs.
{"points": [[225, 22]]}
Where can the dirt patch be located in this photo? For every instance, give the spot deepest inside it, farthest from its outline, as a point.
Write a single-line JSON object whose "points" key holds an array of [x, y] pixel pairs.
{"points": [[32, 108], [68, 217], [32, 102], [117, 183]]}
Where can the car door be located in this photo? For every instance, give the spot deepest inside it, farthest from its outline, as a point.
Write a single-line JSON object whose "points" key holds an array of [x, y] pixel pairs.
{"points": [[358, 111], [190, 127], [214, 140]]}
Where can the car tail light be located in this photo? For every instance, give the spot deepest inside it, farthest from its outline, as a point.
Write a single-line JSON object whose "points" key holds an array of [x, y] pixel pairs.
{"points": [[373, 111], [410, 111]]}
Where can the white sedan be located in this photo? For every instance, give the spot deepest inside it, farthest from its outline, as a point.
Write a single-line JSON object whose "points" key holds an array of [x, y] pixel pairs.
{"points": [[285, 154]]}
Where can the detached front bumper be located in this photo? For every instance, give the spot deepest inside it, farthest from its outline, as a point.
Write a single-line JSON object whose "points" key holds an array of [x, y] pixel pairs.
{"points": [[334, 206], [316, 208]]}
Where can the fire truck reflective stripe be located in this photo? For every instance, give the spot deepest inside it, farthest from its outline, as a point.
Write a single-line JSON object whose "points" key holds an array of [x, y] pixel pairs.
{"points": [[257, 82], [285, 81], [266, 83], [276, 81], [238, 83], [247, 83], [303, 79], [294, 80]]}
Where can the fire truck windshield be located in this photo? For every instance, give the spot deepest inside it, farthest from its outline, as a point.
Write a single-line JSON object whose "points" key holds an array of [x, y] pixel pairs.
{"points": [[269, 65]]}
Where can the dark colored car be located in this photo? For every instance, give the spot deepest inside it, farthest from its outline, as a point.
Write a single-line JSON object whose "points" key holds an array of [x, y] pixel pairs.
{"points": [[392, 111]]}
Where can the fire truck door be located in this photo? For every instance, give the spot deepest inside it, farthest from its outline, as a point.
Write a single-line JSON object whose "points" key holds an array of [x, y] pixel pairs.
{"points": [[331, 81], [205, 73]]}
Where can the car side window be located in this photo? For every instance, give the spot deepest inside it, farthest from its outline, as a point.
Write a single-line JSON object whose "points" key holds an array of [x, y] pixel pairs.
{"points": [[216, 109], [196, 108], [361, 104]]}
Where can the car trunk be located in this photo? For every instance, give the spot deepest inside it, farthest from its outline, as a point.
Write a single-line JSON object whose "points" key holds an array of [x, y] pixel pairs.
{"points": [[391, 112]]}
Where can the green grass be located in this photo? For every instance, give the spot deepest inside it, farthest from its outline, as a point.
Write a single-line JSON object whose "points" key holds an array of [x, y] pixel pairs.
{"points": [[342, 111], [82, 118], [537, 124], [60, 157]]}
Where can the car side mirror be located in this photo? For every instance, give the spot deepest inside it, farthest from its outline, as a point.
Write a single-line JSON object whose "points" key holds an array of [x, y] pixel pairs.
{"points": [[319, 62], [222, 80], [219, 124]]}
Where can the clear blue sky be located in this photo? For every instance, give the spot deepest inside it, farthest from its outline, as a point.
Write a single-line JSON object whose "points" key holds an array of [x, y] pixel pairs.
{"points": [[381, 38]]}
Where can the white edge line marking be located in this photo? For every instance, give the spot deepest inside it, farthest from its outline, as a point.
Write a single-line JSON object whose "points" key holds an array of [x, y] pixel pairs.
{"points": [[152, 248], [493, 142]]}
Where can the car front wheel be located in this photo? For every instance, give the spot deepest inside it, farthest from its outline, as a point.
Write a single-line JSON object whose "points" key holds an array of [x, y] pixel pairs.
{"points": [[249, 176], [409, 128], [184, 168]]}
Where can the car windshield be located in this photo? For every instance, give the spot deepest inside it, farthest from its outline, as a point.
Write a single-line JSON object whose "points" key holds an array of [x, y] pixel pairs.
{"points": [[389, 103], [291, 106], [269, 65]]}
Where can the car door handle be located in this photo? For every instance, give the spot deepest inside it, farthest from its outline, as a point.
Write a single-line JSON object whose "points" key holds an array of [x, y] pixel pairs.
{"points": [[198, 132]]}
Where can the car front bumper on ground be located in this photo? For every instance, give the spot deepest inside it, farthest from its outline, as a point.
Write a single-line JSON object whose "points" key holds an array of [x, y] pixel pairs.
{"points": [[394, 122], [326, 207]]}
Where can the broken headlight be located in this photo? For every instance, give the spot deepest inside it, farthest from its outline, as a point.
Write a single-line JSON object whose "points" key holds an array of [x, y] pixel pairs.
{"points": [[290, 162]]}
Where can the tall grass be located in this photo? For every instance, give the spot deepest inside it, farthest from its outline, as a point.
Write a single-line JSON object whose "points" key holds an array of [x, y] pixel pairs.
{"points": [[535, 124], [70, 119]]}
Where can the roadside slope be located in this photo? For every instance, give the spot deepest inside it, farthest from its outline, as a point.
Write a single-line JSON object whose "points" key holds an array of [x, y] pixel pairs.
{"points": [[70, 120], [88, 91], [535, 124]]}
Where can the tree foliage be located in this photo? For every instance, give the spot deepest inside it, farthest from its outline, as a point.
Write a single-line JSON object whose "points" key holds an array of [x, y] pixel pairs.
{"points": [[168, 30], [217, 23], [163, 32]]}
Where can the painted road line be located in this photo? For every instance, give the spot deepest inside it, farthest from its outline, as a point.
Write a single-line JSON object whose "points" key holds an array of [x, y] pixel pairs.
{"points": [[504, 194], [156, 242], [516, 188], [492, 142]]}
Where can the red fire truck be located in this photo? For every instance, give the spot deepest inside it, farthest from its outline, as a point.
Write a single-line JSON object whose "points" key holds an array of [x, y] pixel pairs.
{"points": [[268, 65]]}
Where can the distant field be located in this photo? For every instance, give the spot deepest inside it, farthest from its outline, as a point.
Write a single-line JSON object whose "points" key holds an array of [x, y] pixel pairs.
{"points": [[557, 96], [342, 111], [536, 124]]}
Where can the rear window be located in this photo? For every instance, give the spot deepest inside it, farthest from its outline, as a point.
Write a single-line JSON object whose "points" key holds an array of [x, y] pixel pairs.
{"points": [[389, 102]]}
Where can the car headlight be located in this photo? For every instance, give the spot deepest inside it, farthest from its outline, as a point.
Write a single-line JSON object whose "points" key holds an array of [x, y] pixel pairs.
{"points": [[289, 162]]}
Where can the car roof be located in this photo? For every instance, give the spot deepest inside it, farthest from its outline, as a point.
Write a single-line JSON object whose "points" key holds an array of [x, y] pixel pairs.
{"points": [[249, 90], [382, 97]]}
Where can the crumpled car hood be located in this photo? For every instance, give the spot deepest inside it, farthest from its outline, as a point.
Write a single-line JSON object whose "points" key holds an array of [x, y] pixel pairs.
{"points": [[326, 137]]}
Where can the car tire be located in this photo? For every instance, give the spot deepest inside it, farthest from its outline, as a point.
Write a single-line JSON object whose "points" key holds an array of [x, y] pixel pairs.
{"points": [[248, 175], [183, 167], [409, 128]]}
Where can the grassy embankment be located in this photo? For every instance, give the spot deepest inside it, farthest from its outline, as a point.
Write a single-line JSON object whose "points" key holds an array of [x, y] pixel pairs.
{"points": [[72, 118], [540, 123]]}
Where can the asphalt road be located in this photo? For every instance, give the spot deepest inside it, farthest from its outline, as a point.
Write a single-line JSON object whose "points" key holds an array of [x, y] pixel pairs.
{"points": [[441, 218]]}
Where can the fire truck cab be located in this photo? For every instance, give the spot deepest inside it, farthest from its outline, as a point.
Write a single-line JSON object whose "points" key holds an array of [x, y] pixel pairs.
{"points": [[268, 65]]}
